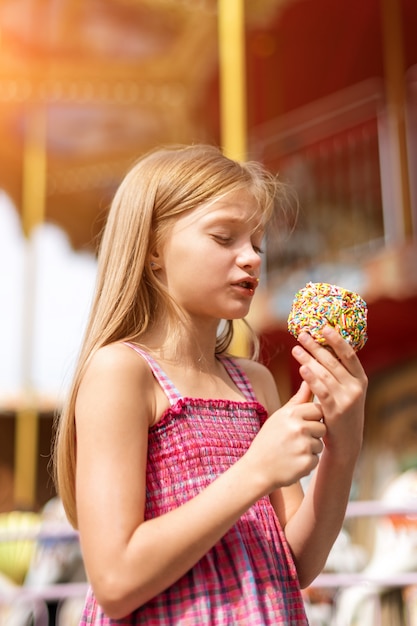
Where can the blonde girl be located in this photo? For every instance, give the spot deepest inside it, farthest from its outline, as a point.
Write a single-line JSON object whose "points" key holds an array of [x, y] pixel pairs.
{"points": [[175, 461]]}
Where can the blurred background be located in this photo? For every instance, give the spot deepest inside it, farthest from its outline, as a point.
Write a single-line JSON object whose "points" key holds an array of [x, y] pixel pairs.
{"points": [[325, 94]]}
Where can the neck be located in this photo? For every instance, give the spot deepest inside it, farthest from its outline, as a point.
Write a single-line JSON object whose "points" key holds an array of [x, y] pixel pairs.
{"points": [[192, 347]]}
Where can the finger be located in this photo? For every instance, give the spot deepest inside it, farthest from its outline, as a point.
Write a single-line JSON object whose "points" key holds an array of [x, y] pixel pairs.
{"points": [[318, 429], [337, 360], [304, 405], [317, 446], [343, 351], [320, 376], [302, 395]]}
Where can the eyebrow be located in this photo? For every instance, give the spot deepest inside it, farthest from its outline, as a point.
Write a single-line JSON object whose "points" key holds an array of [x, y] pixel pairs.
{"points": [[231, 219]]}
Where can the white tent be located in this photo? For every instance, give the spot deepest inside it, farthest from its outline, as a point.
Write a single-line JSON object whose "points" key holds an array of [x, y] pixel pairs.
{"points": [[45, 293]]}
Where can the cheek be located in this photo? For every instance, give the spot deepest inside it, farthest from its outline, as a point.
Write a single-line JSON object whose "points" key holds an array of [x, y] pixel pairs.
{"points": [[196, 258], [185, 268]]}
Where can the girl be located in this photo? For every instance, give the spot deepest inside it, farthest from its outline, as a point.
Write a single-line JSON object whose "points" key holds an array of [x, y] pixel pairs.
{"points": [[184, 491]]}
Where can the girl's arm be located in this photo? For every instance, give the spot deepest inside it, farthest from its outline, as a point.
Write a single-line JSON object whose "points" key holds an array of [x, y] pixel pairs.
{"points": [[339, 383], [129, 560]]}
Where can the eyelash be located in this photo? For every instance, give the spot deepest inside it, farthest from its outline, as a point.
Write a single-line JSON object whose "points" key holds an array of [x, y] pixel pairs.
{"points": [[226, 240], [222, 240]]}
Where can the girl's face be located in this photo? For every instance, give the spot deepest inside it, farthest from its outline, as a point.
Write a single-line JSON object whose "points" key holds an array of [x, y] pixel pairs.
{"points": [[211, 261]]}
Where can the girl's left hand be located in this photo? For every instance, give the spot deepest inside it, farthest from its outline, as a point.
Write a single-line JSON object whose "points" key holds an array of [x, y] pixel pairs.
{"points": [[339, 384]]}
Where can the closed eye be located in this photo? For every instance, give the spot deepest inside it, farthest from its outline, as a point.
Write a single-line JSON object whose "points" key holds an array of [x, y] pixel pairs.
{"points": [[223, 240], [257, 249], [226, 240]]}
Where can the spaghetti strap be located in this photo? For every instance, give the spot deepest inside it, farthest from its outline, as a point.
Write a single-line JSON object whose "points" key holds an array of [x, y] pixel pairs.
{"points": [[239, 377], [167, 385]]}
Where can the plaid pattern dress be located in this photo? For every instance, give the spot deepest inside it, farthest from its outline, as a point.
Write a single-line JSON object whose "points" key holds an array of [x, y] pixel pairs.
{"points": [[248, 577]]}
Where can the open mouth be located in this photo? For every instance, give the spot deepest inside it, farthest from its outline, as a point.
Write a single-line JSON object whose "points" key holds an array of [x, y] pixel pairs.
{"points": [[246, 284], [250, 285]]}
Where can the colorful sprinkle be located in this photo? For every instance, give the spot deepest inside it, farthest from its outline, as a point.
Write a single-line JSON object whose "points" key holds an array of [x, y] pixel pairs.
{"points": [[318, 304]]}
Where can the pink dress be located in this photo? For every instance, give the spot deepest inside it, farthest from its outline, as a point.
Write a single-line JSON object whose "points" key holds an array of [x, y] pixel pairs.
{"points": [[248, 577]]}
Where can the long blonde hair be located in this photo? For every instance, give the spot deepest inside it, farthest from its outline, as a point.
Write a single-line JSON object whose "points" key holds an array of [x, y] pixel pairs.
{"points": [[160, 186]]}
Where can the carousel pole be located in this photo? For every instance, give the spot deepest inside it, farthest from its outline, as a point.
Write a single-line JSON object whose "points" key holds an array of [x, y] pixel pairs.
{"points": [[393, 44], [232, 75], [33, 210], [232, 67]]}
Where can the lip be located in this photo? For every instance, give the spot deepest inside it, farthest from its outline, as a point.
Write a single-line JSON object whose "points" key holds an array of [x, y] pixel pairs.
{"points": [[248, 284]]}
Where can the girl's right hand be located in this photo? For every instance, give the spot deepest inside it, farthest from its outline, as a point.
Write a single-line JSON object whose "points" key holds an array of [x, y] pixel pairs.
{"points": [[288, 445]]}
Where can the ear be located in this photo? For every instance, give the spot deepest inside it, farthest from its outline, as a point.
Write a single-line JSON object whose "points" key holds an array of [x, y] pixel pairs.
{"points": [[155, 261]]}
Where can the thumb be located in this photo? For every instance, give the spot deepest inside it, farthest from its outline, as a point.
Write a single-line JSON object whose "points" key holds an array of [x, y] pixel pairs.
{"points": [[303, 394]]}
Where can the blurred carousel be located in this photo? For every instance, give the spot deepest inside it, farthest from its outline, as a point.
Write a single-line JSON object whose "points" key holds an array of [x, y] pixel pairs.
{"points": [[85, 88]]}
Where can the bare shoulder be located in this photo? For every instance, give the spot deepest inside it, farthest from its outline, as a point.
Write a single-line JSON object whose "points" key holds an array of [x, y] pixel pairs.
{"points": [[262, 381], [118, 357], [117, 375], [119, 361]]}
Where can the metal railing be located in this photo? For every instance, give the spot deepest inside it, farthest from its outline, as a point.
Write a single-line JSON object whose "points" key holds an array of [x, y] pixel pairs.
{"points": [[36, 600]]}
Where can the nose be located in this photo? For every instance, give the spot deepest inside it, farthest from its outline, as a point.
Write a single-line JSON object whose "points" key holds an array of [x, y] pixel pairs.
{"points": [[249, 258]]}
